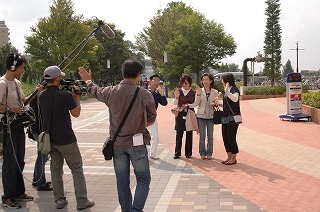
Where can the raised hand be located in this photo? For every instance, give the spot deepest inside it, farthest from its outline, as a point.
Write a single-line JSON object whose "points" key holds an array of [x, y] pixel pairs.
{"points": [[198, 90], [161, 90], [176, 93]]}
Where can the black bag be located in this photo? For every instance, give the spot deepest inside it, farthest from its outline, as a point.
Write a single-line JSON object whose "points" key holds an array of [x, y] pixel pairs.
{"points": [[181, 118], [24, 119], [217, 115], [107, 150]]}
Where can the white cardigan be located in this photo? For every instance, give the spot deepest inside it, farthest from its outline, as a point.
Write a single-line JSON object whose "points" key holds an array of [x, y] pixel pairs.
{"points": [[200, 101]]}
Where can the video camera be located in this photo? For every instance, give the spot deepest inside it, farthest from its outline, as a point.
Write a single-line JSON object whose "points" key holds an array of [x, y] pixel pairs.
{"points": [[69, 84]]}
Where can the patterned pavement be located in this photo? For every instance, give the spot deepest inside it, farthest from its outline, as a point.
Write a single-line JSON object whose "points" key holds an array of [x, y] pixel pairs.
{"points": [[278, 166]]}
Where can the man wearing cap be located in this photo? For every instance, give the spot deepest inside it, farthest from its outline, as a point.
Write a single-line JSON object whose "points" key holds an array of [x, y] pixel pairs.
{"points": [[56, 106], [12, 101]]}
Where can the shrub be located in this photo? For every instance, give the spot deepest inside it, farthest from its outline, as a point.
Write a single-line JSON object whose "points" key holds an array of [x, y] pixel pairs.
{"points": [[264, 90], [312, 99]]}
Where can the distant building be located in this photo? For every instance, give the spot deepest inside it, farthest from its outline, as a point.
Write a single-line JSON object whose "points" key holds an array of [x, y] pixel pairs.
{"points": [[4, 34]]}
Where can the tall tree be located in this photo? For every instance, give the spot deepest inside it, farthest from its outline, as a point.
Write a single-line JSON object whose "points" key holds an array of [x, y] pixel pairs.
{"points": [[192, 42], [287, 68], [55, 37], [272, 41]]}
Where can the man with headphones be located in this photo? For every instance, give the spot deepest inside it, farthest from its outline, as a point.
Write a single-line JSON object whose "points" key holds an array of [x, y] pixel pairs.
{"points": [[12, 100]]}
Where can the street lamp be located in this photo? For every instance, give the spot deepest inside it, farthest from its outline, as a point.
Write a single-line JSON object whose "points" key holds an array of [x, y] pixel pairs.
{"points": [[297, 49], [165, 60]]}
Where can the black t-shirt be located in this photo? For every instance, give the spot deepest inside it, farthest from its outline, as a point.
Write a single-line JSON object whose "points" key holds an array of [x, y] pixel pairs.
{"points": [[61, 132], [234, 105]]}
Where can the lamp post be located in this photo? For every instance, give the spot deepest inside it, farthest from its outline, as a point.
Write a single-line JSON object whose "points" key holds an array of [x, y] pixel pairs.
{"points": [[165, 60], [297, 49], [108, 70]]}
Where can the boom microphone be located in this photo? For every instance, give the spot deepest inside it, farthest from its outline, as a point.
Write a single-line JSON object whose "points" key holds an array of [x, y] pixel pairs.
{"points": [[106, 30]]}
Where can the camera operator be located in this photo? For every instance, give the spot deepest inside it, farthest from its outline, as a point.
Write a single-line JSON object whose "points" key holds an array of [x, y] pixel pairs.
{"points": [[55, 105], [12, 101]]}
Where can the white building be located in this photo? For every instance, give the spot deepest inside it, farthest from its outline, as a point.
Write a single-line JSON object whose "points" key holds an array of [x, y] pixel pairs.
{"points": [[4, 34]]}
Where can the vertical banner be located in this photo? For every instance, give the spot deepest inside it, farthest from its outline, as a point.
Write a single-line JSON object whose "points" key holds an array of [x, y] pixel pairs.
{"points": [[294, 93]]}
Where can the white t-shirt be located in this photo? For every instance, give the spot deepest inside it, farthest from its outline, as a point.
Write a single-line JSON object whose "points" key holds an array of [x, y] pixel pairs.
{"points": [[13, 99]]}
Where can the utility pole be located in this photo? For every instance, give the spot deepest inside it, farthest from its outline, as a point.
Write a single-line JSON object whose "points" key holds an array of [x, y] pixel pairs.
{"points": [[297, 49]]}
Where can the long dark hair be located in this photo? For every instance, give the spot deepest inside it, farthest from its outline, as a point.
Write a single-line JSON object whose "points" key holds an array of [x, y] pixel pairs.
{"points": [[228, 77]]}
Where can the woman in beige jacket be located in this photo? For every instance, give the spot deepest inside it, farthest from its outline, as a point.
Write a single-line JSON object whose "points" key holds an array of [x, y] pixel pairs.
{"points": [[205, 100]]}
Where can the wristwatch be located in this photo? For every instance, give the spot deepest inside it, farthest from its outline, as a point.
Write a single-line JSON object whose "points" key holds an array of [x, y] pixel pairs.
{"points": [[89, 83]]}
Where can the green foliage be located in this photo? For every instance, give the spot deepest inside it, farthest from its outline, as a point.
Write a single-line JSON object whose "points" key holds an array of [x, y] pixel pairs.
{"points": [[272, 41], [66, 35], [55, 37], [264, 90], [4, 52], [287, 68], [218, 86], [189, 38], [312, 99]]}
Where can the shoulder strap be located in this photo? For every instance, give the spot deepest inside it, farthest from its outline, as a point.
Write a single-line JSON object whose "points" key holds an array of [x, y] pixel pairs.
{"points": [[229, 106], [126, 115], [7, 108], [39, 113], [18, 93]]}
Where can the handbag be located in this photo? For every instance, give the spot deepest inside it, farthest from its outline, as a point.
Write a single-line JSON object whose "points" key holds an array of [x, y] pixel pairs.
{"points": [[44, 145], [217, 115], [108, 146], [237, 118], [176, 111], [191, 121]]}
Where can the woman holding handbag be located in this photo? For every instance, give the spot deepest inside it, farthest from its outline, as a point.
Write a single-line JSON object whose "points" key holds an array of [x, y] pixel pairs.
{"points": [[231, 107], [206, 99], [183, 97]]}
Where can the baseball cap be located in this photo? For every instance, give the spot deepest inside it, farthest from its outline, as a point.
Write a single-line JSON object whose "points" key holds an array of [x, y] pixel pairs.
{"points": [[52, 72]]}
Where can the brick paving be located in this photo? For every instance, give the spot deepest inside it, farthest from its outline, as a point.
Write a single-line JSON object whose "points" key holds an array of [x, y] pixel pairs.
{"points": [[278, 166]]}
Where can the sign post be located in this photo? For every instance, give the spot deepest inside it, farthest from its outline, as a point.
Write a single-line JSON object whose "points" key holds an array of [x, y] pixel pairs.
{"points": [[294, 98]]}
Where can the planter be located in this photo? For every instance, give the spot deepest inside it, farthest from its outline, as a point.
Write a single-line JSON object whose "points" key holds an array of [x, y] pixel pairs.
{"points": [[313, 112], [263, 96]]}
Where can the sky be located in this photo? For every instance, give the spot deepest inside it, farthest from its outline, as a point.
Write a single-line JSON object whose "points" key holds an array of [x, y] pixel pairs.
{"points": [[244, 20]]}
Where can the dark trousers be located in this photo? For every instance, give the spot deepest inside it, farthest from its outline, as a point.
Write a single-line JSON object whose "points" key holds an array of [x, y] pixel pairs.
{"points": [[188, 146], [12, 179], [39, 176], [229, 134]]}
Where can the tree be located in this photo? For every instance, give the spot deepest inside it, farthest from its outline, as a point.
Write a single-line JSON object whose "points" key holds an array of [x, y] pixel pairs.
{"points": [[287, 68], [191, 41], [272, 41], [55, 37], [234, 67], [59, 36]]}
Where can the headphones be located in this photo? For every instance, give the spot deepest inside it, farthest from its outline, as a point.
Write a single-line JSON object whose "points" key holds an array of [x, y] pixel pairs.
{"points": [[16, 58]]}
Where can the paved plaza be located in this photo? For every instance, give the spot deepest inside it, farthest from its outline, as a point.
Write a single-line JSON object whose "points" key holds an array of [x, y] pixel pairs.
{"points": [[278, 166]]}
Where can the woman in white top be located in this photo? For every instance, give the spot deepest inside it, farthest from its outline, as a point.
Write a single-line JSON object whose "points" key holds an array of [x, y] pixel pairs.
{"points": [[205, 100]]}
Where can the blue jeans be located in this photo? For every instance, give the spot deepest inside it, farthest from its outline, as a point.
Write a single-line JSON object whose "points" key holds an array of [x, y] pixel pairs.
{"points": [[138, 156], [205, 126], [39, 177], [12, 179]]}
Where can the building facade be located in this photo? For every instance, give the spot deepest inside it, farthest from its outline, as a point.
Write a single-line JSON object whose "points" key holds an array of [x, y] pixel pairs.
{"points": [[4, 34]]}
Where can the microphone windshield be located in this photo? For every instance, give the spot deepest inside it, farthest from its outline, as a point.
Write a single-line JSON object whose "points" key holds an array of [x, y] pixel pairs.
{"points": [[106, 30]]}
